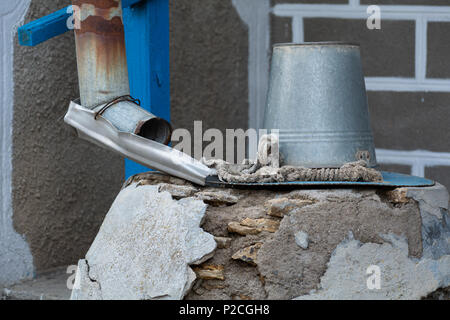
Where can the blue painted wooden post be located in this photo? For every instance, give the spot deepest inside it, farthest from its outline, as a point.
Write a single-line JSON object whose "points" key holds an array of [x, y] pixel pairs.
{"points": [[147, 42]]}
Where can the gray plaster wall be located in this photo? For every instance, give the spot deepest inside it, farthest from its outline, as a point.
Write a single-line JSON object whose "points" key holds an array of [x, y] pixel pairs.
{"points": [[62, 186], [209, 62]]}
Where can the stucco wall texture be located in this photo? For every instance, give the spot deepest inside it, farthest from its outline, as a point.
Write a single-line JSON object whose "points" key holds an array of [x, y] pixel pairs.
{"points": [[63, 186], [209, 64]]}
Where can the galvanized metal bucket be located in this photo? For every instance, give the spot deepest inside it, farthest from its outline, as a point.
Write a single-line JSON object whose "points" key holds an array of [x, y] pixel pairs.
{"points": [[317, 100]]}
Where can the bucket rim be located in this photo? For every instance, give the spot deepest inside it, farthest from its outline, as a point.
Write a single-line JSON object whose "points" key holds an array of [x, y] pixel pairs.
{"points": [[317, 44]]}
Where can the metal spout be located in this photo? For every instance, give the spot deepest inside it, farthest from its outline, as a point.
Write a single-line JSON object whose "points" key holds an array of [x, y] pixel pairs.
{"points": [[127, 116], [146, 152], [103, 71]]}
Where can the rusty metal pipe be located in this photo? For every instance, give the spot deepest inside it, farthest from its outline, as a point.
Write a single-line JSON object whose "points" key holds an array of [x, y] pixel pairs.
{"points": [[128, 116], [103, 71], [119, 124], [101, 54]]}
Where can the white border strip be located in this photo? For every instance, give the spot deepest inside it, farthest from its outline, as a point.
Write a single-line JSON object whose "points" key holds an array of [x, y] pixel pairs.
{"points": [[418, 159], [407, 84], [16, 261], [255, 14], [421, 15], [398, 12]]}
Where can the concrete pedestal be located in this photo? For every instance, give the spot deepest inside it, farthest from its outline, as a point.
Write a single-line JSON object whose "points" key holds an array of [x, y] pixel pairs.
{"points": [[305, 244]]}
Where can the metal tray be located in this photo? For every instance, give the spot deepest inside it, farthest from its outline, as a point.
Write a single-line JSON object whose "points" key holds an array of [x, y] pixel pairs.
{"points": [[391, 180]]}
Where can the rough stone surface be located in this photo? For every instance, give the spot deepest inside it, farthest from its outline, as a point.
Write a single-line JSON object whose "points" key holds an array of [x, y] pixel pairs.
{"points": [[271, 265], [434, 204], [261, 224], [401, 278], [288, 269], [155, 178], [86, 287], [248, 255], [280, 207], [178, 192], [144, 248], [399, 195], [236, 227], [210, 272], [217, 197], [253, 226], [302, 240], [223, 242]]}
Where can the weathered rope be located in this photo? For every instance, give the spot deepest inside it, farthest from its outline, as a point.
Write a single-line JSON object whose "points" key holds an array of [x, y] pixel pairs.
{"points": [[267, 169]]}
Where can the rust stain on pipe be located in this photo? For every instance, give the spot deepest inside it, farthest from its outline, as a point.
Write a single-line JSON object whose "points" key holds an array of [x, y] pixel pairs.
{"points": [[101, 54], [102, 27], [103, 72], [103, 4]]}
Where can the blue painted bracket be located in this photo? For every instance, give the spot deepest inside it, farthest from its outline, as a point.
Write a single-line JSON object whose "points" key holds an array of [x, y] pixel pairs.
{"points": [[45, 28], [55, 24]]}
